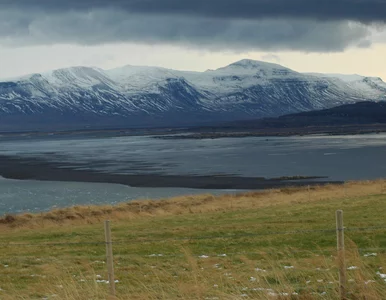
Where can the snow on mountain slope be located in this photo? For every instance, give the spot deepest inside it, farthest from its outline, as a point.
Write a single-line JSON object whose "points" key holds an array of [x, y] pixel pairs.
{"points": [[153, 96], [253, 67], [365, 87], [344, 77], [136, 78], [72, 89], [242, 74]]}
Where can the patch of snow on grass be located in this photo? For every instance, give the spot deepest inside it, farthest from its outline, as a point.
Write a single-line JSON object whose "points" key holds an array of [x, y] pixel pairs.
{"points": [[262, 289], [102, 281], [260, 270], [289, 267], [370, 254], [369, 281], [37, 275], [99, 262], [383, 276]]}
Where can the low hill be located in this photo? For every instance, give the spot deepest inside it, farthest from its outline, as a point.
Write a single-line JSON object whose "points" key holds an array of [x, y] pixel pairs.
{"points": [[359, 118], [351, 114]]}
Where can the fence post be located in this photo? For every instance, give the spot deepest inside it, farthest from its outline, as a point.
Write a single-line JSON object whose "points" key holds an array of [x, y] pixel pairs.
{"points": [[341, 254], [109, 257]]}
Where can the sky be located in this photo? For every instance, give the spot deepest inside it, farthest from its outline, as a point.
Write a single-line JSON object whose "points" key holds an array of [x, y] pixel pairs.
{"points": [[325, 36]]}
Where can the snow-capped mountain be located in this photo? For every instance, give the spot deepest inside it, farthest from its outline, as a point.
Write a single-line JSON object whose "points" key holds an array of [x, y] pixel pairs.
{"points": [[152, 96], [371, 87]]}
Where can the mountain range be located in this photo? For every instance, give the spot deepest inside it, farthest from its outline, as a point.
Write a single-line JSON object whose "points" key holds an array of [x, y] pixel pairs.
{"points": [[134, 96]]}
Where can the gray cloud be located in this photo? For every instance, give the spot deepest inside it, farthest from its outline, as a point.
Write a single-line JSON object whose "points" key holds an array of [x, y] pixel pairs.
{"points": [[110, 26], [355, 10], [239, 25]]}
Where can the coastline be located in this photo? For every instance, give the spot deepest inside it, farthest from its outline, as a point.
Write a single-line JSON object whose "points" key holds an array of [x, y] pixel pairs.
{"points": [[207, 132], [218, 132], [34, 169]]}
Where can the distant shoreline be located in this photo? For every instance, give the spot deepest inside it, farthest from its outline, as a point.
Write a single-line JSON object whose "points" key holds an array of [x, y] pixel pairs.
{"points": [[206, 132], [34, 169], [218, 133]]}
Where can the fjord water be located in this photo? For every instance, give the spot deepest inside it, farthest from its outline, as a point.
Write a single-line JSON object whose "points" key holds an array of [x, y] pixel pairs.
{"points": [[356, 157], [17, 196]]}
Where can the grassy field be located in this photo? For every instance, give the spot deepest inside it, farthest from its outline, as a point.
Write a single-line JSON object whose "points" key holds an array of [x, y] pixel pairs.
{"points": [[278, 244]]}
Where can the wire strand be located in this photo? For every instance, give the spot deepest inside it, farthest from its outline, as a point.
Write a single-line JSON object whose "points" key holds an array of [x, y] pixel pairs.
{"points": [[126, 241]]}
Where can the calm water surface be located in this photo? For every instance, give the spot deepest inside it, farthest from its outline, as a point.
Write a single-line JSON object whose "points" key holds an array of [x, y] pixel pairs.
{"points": [[337, 157]]}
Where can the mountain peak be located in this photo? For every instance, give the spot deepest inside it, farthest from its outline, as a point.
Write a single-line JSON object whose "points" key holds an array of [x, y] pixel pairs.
{"points": [[253, 64], [253, 67]]}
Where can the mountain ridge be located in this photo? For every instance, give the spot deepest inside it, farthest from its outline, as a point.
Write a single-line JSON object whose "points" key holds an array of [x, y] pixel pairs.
{"points": [[148, 96]]}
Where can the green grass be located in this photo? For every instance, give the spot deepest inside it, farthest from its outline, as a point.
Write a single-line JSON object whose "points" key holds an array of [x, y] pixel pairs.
{"points": [[250, 237]]}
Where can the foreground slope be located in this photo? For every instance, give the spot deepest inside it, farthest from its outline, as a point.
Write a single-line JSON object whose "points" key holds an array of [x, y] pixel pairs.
{"points": [[132, 96], [277, 244]]}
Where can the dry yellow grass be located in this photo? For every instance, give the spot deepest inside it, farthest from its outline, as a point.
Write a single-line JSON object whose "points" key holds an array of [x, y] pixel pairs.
{"points": [[193, 204], [184, 228]]}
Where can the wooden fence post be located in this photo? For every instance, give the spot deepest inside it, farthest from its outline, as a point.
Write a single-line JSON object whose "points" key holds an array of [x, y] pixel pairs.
{"points": [[341, 254], [109, 257]]}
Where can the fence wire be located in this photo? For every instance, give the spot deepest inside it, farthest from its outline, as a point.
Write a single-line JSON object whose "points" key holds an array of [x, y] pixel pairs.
{"points": [[195, 238], [100, 258]]}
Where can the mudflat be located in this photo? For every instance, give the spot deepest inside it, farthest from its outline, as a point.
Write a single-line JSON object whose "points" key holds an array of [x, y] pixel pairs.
{"points": [[13, 167]]}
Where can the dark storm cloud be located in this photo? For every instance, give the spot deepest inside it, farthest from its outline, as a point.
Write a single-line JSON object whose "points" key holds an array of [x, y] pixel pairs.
{"points": [[357, 10], [241, 25]]}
